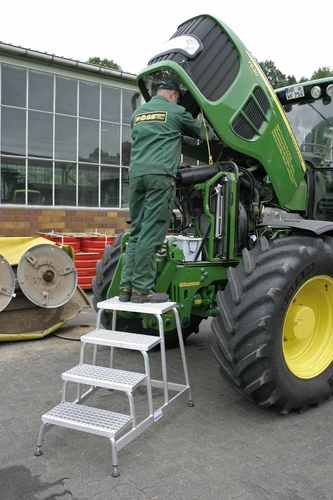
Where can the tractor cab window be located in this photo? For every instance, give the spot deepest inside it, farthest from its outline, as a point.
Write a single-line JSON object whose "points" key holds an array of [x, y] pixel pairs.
{"points": [[312, 123]]}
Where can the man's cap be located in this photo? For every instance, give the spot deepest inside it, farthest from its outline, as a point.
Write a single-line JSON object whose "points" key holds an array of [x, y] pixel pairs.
{"points": [[169, 84]]}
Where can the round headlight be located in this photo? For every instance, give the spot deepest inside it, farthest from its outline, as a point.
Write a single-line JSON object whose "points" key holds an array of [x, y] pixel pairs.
{"points": [[329, 90], [316, 92]]}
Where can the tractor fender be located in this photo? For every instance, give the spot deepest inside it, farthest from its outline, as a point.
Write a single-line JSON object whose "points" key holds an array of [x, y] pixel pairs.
{"points": [[317, 227]]}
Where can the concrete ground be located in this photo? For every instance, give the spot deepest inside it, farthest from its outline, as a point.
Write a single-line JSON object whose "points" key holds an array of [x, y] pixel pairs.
{"points": [[223, 448]]}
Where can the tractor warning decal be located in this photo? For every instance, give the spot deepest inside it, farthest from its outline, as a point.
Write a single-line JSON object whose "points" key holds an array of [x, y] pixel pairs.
{"points": [[284, 151]]}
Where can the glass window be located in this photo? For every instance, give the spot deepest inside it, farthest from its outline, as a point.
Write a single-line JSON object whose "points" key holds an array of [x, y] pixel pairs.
{"points": [[88, 141], [40, 136], [12, 180], [13, 85], [65, 183], [124, 187], [66, 95], [130, 103], [110, 137], [40, 91], [39, 182], [111, 104], [13, 131], [126, 145], [65, 138], [89, 100], [110, 186], [88, 185]]}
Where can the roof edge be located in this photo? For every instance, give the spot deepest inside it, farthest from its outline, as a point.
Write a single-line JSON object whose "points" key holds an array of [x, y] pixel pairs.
{"points": [[14, 50]]}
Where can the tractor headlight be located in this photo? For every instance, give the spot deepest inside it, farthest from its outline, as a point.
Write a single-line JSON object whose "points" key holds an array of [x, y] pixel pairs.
{"points": [[329, 90], [187, 44], [316, 92]]}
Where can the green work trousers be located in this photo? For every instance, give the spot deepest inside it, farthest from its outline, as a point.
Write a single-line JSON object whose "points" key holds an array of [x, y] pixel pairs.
{"points": [[151, 199]]}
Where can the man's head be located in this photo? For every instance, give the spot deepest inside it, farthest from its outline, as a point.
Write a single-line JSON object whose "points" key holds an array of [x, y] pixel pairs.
{"points": [[169, 89]]}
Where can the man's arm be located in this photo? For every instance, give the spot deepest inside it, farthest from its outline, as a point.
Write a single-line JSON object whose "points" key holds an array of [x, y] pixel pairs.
{"points": [[189, 126]]}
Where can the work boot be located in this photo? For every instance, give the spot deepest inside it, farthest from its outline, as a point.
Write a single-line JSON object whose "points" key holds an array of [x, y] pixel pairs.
{"points": [[141, 297], [125, 294]]}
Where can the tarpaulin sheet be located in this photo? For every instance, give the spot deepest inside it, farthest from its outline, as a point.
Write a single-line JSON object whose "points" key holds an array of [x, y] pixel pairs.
{"points": [[12, 248], [22, 320]]}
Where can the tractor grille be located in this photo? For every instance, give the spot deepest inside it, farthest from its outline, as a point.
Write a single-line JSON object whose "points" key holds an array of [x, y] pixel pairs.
{"points": [[242, 127], [260, 95], [215, 68], [253, 114]]}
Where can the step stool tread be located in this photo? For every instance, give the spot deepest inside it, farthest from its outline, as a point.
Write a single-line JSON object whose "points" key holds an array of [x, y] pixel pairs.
{"points": [[87, 419], [114, 304], [124, 340], [104, 377]]}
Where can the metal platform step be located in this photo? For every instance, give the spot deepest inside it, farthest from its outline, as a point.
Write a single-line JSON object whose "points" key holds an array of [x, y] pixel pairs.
{"points": [[115, 304], [87, 419], [108, 378], [123, 340], [119, 428]]}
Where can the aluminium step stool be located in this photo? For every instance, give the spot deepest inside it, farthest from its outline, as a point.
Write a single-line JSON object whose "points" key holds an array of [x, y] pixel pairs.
{"points": [[120, 429]]}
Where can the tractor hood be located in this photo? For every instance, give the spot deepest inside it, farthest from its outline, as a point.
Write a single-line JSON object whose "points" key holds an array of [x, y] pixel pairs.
{"points": [[223, 80]]}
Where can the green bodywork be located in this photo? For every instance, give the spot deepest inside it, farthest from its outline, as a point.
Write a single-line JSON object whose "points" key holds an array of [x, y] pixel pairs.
{"points": [[274, 145], [277, 157]]}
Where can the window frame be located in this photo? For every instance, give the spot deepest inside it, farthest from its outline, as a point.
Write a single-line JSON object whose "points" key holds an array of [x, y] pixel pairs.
{"points": [[76, 77]]}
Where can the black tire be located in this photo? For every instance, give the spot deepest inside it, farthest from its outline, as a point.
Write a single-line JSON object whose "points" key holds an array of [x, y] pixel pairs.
{"points": [[247, 334], [104, 273]]}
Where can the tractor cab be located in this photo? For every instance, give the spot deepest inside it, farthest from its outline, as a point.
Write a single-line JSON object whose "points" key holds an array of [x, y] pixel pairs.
{"points": [[309, 109]]}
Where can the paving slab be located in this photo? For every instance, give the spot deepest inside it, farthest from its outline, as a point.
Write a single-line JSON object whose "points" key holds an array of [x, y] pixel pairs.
{"points": [[223, 448]]}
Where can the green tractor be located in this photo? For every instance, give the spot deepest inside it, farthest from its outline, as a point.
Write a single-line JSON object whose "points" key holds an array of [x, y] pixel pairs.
{"points": [[251, 244]]}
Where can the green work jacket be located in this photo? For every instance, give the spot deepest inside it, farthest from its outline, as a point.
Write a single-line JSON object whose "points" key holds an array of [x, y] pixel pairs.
{"points": [[157, 127]]}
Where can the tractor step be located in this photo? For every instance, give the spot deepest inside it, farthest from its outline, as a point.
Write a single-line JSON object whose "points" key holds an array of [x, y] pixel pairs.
{"points": [[108, 378]]}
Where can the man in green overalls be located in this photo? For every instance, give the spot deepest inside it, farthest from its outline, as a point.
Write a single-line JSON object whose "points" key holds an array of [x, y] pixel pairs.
{"points": [[157, 129]]}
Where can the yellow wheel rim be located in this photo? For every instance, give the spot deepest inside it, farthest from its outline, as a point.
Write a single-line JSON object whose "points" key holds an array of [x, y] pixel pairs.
{"points": [[308, 328]]}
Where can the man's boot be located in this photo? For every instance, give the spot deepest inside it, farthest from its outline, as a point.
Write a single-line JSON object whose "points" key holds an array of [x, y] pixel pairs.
{"points": [[125, 294], [152, 297]]}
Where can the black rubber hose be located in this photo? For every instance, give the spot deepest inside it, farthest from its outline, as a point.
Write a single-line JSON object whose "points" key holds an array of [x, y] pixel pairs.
{"points": [[201, 244], [193, 175]]}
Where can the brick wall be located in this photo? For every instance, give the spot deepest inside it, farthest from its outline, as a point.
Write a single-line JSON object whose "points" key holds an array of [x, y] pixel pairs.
{"points": [[29, 221]]}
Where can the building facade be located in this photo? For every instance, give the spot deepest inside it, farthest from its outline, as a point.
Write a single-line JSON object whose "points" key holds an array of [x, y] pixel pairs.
{"points": [[65, 144]]}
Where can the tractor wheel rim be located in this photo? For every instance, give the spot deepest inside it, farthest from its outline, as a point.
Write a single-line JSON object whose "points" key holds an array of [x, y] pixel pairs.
{"points": [[307, 336]]}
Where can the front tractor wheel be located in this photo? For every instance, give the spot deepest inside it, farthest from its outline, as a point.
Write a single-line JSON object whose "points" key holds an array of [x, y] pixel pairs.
{"points": [[274, 334]]}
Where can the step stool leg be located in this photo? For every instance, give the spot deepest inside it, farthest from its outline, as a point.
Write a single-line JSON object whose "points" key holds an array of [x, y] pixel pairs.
{"points": [[111, 357], [132, 408], [78, 389], [183, 355], [149, 389], [115, 468], [114, 320], [99, 318], [163, 358], [113, 326], [38, 448], [64, 391]]}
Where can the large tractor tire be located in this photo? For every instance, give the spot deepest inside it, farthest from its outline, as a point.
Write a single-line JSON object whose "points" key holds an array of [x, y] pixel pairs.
{"points": [[104, 273], [273, 336]]}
